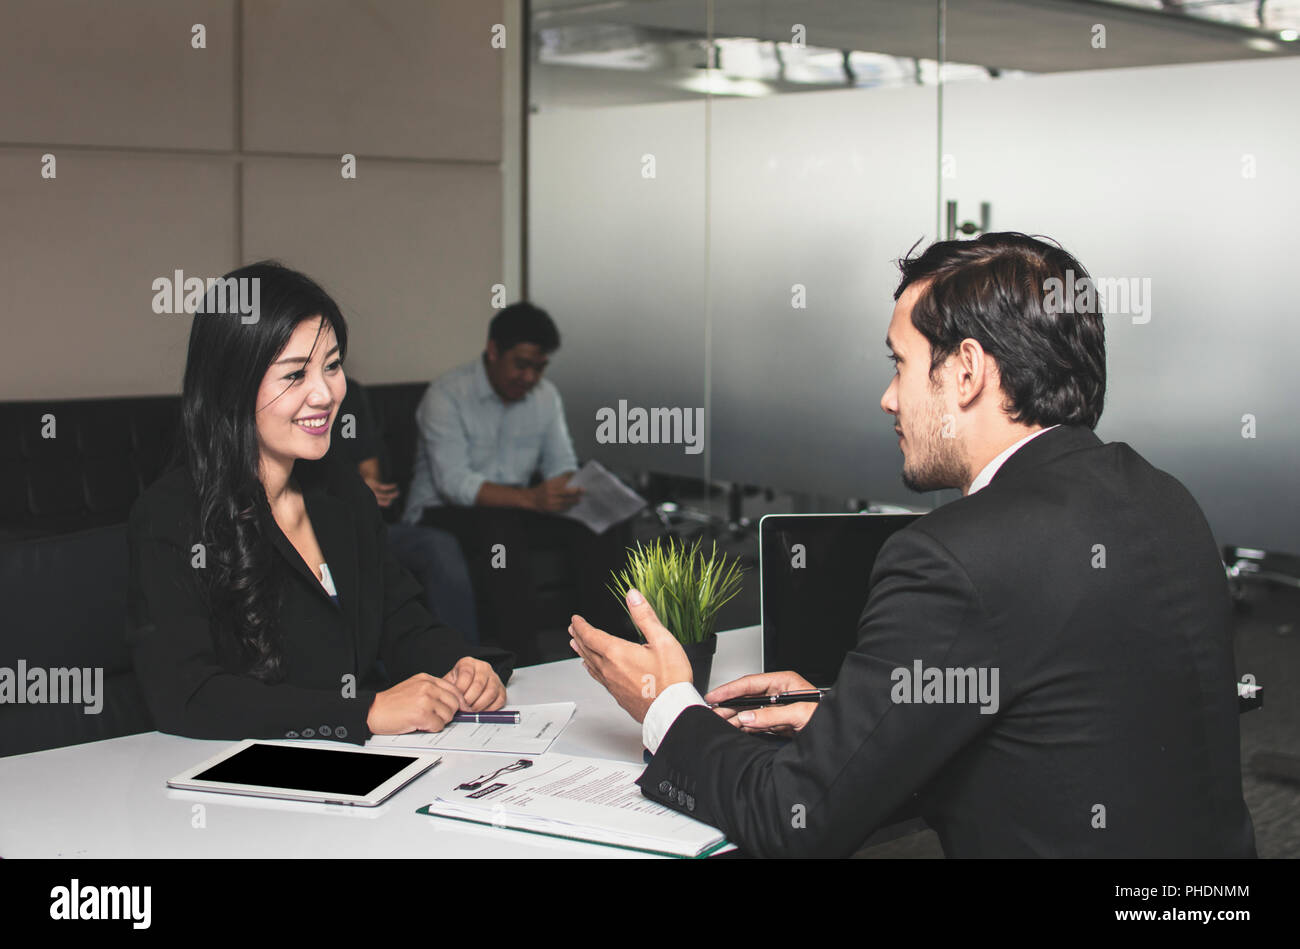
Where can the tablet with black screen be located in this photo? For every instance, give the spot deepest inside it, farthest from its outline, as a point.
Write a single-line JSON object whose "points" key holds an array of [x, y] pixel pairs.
{"points": [[299, 772]]}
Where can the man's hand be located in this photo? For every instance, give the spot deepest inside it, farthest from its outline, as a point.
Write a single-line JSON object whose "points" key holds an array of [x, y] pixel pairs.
{"points": [[633, 674], [422, 703], [554, 494], [479, 685], [778, 719], [385, 494]]}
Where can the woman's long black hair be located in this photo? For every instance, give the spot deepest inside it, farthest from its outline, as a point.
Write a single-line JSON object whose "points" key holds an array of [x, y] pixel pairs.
{"points": [[229, 354]]}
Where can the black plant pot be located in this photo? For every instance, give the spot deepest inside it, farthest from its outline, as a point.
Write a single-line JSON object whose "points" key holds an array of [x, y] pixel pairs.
{"points": [[701, 657]]}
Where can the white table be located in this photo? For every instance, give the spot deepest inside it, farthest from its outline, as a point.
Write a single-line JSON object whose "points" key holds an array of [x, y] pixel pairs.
{"points": [[110, 799]]}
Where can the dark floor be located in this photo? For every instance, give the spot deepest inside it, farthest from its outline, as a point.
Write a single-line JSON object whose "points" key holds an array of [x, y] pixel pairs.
{"points": [[1267, 646]]}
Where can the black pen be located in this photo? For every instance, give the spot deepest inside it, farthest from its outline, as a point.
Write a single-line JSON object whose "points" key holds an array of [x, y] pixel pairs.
{"points": [[783, 698]]}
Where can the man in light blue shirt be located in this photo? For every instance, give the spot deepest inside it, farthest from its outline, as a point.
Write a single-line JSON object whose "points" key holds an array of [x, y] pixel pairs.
{"points": [[487, 428]]}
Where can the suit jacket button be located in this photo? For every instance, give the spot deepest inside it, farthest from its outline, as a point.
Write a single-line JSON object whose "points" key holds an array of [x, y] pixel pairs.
{"points": [[309, 733], [290, 734], [325, 731], [665, 787], [690, 802], [340, 732]]}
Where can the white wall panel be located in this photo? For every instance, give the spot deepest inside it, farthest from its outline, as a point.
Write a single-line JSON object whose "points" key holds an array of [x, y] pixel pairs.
{"points": [[392, 78], [121, 74], [78, 256], [410, 251]]}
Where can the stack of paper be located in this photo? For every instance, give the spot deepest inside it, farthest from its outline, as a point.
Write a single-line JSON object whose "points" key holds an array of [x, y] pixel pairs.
{"points": [[606, 501], [562, 796], [539, 725]]}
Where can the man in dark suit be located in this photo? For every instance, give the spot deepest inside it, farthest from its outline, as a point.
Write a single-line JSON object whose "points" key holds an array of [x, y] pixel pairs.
{"points": [[1044, 666]]}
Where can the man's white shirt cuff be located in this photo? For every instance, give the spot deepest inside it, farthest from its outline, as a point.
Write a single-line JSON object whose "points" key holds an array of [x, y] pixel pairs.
{"points": [[664, 710]]}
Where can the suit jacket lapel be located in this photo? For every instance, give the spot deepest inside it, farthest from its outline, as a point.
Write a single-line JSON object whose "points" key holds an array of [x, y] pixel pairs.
{"points": [[294, 558], [332, 522]]}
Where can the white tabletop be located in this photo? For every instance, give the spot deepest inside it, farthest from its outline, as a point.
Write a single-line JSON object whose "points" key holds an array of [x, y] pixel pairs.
{"points": [[110, 799]]}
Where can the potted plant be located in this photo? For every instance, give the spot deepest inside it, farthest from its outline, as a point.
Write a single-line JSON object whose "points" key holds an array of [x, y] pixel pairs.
{"points": [[686, 589]]}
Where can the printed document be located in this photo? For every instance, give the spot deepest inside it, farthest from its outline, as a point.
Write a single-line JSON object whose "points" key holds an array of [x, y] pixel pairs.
{"points": [[579, 798], [606, 501], [539, 725]]}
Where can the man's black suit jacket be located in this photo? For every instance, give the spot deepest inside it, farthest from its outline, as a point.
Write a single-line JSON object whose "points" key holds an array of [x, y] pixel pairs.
{"points": [[1091, 582], [190, 672]]}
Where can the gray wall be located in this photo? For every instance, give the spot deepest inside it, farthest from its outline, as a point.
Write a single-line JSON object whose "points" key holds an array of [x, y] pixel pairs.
{"points": [[174, 158]]}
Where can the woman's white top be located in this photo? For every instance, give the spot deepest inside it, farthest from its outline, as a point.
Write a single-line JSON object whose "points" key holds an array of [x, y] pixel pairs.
{"points": [[327, 581]]}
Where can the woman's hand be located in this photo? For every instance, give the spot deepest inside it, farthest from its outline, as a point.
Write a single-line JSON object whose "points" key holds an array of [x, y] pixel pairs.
{"points": [[480, 687], [422, 703]]}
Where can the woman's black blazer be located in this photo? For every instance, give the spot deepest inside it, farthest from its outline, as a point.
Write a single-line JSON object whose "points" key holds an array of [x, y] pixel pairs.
{"points": [[191, 674]]}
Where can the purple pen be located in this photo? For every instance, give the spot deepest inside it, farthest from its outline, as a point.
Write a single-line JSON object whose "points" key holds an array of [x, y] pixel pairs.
{"points": [[499, 717]]}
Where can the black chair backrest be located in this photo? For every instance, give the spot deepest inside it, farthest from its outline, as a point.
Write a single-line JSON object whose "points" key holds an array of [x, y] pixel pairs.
{"points": [[63, 601], [70, 465]]}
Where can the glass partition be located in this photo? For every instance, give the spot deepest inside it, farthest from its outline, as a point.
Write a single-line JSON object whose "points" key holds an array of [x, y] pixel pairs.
{"points": [[719, 190], [815, 190], [616, 240], [1166, 159]]}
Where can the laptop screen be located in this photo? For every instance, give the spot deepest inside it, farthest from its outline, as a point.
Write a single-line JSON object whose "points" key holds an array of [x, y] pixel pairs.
{"points": [[815, 572]]}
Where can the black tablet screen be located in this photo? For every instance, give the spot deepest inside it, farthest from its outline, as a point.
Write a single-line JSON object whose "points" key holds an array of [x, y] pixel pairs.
{"points": [[316, 770]]}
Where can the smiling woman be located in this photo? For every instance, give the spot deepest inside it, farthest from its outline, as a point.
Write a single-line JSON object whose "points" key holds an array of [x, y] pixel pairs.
{"points": [[256, 372], [263, 601]]}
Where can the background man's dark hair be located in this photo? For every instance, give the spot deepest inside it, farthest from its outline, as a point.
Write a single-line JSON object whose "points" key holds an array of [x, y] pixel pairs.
{"points": [[524, 323], [993, 289]]}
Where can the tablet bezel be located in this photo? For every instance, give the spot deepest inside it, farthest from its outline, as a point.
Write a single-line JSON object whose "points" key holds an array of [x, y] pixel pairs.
{"points": [[419, 764]]}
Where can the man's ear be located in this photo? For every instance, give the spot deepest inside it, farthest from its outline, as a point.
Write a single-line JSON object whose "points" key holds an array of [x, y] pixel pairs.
{"points": [[492, 353], [975, 372]]}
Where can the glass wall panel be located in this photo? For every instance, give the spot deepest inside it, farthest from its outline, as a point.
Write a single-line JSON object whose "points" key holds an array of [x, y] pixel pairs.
{"points": [[1179, 184], [616, 227], [813, 194]]}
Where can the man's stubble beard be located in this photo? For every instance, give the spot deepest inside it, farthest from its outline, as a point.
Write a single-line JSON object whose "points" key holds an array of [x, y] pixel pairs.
{"points": [[941, 462]]}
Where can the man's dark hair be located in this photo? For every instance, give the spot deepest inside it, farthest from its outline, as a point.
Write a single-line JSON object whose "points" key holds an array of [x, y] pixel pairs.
{"points": [[524, 323], [994, 290]]}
